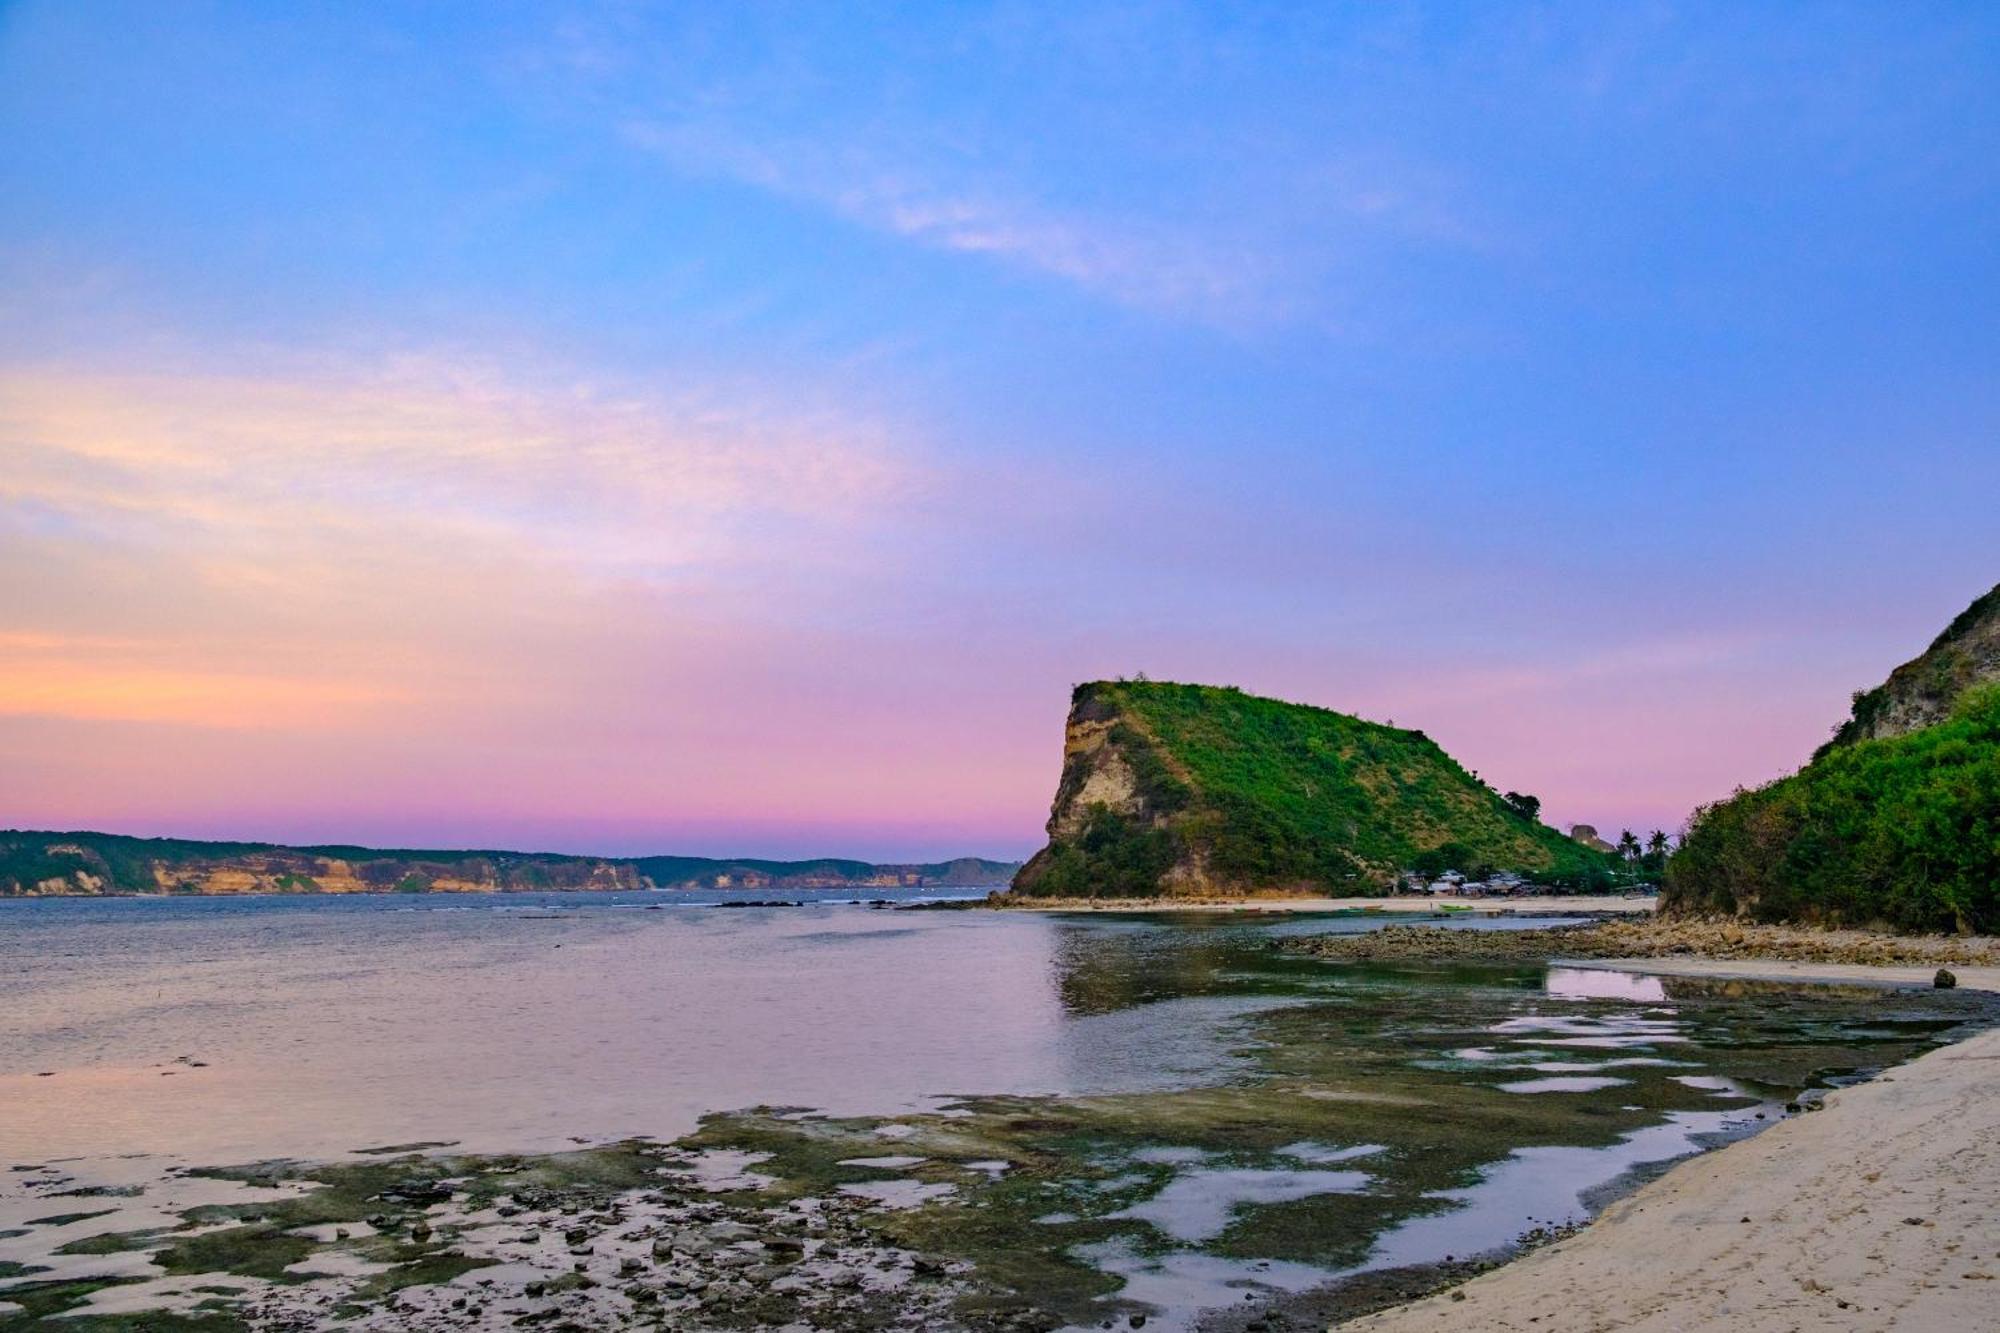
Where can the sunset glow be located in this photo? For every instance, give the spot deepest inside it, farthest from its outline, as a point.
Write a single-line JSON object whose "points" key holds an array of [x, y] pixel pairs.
{"points": [[596, 430]]}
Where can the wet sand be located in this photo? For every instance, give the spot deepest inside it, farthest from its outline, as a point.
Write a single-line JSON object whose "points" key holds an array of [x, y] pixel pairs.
{"points": [[1877, 1212]]}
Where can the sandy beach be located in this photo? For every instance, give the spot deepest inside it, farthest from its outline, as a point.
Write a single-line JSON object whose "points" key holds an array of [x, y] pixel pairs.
{"points": [[1881, 1211], [1546, 905]]}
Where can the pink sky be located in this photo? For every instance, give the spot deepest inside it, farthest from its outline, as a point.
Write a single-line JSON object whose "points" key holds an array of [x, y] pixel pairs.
{"points": [[717, 430]]}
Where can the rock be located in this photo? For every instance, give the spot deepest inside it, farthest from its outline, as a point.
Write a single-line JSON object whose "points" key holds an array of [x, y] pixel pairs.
{"points": [[1944, 980], [417, 1193]]}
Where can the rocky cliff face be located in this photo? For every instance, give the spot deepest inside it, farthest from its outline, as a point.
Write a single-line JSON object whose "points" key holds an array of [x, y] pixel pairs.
{"points": [[58, 864], [1923, 691], [1191, 789]]}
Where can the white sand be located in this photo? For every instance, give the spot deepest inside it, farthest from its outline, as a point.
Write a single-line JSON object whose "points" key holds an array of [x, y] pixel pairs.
{"points": [[1880, 1212], [1487, 906]]}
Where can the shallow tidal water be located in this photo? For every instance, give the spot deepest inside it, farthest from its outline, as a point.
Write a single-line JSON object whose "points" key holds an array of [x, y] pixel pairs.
{"points": [[1086, 1118]]}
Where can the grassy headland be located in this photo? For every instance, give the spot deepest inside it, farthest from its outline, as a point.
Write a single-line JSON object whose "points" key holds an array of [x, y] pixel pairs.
{"points": [[1176, 789]]}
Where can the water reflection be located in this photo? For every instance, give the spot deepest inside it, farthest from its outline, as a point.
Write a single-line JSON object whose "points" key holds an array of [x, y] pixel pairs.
{"points": [[1208, 1113], [1578, 983]]}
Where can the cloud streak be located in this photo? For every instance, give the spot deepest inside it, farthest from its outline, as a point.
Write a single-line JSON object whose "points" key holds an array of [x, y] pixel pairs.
{"points": [[1135, 261], [308, 515]]}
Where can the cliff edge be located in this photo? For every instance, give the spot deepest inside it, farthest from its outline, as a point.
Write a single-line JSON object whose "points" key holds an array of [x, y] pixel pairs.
{"points": [[1924, 690], [1171, 789]]}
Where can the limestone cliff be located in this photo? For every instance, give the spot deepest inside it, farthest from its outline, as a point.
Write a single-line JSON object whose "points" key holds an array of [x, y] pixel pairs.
{"points": [[1192, 789]]}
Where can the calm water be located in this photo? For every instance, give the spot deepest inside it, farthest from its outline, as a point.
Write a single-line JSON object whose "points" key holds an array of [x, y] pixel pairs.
{"points": [[137, 1035]]}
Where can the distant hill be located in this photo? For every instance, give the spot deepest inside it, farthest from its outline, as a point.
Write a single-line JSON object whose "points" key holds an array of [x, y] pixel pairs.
{"points": [[695, 872], [52, 863], [1189, 789], [1895, 821]]}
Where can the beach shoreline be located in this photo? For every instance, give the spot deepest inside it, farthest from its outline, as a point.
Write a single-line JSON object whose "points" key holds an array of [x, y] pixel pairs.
{"points": [[1875, 1212], [1536, 905]]}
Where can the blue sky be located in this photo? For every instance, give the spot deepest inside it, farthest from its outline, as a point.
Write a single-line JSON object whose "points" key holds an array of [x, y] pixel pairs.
{"points": [[734, 427]]}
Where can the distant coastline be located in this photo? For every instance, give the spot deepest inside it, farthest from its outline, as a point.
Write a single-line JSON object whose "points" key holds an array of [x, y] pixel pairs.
{"points": [[47, 863]]}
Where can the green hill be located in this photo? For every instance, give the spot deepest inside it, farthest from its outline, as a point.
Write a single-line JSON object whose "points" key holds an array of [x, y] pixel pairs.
{"points": [[1901, 832], [1895, 822], [1188, 789]]}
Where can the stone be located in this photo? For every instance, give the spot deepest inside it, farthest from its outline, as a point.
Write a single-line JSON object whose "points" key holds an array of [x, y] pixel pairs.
{"points": [[1944, 980]]}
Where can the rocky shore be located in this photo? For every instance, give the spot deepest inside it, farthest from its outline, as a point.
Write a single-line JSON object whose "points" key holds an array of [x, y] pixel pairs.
{"points": [[631, 1235], [1654, 938]]}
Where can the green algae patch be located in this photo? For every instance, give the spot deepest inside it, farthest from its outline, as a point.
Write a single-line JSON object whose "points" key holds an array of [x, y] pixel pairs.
{"points": [[118, 1242], [64, 1219], [260, 1251], [43, 1302], [429, 1269]]}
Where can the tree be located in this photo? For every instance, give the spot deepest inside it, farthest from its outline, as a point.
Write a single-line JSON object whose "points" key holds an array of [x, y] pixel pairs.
{"points": [[1628, 846], [1654, 862], [1526, 806]]}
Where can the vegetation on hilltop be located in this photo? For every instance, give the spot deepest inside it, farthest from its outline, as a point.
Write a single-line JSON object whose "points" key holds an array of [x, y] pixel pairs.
{"points": [[1903, 831], [1926, 689], [1221, 789]]}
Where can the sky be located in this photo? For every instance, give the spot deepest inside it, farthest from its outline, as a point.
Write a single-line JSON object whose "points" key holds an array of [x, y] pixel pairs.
{"points": [[733, 428]]}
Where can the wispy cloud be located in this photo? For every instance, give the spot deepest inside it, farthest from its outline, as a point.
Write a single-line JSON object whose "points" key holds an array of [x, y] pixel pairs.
{"points": [[1134, 260], [340, 537], [433, 448]]}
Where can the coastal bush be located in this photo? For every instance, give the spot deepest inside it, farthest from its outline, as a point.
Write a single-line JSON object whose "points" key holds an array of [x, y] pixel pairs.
{"points": [[1112, 857], [1902, 832]]}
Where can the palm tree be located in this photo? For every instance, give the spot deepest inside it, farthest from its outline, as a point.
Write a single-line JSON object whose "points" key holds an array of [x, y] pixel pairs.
{"points": [[1656, 845], [1628, 846]]}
